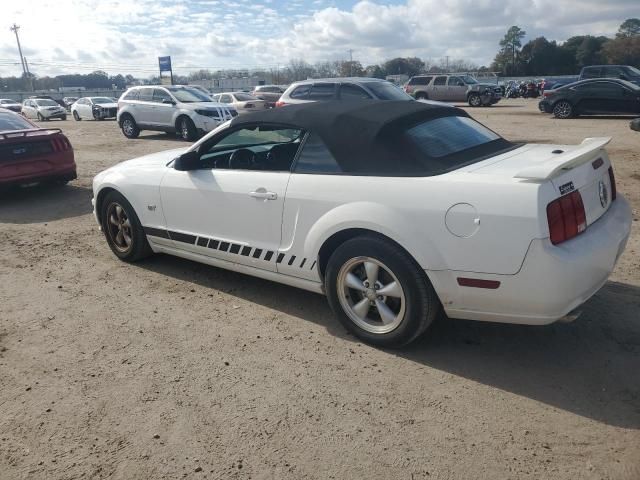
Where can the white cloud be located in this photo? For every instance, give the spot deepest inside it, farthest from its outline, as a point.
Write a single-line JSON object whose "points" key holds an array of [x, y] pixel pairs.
{"points": [[128, 37]]}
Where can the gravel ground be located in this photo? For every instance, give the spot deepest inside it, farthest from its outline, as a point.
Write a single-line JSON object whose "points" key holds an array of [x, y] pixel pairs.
{"points": [[171, 369]]}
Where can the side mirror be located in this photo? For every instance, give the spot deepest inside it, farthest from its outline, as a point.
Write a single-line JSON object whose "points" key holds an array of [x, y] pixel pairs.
{"points": [[169, 101], [187, 161]]}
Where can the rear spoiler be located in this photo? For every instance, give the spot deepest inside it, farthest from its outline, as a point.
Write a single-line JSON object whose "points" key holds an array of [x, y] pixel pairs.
{"points": [[31, 132], [564, 161]]}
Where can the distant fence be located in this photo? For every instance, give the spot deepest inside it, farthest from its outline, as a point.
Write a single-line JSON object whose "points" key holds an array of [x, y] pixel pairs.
{"points": [[101, 92]]}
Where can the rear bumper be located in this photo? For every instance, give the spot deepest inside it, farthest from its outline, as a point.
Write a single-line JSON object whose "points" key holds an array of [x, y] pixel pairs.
{"points": [[544, 106], [60, 166], [552, 282]]}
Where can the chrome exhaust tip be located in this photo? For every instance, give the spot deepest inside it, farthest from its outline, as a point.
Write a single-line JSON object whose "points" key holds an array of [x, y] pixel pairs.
{"points": [[570, 317]]}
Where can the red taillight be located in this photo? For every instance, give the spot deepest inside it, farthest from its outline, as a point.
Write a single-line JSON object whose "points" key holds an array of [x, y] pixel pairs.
{"points": [[60, 144], [612, 181], [548, 93], [566, 217], [280, 103]]}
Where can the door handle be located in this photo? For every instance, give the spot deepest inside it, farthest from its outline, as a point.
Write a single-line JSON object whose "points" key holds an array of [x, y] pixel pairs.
{"points": [[263, 194]]}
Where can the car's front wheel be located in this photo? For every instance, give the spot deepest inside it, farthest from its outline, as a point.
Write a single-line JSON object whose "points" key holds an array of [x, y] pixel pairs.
{"points": [[122, 228], [186, 129], [422, 96], [129, 127], [379, 293], [563, 109], [475, 100]]}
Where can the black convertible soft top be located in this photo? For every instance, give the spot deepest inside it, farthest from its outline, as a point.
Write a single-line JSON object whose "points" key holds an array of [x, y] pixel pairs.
{"points": [[355, 132]]}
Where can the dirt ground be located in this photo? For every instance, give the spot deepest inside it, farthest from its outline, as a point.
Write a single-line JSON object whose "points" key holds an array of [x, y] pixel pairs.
{"points": [[169, 369]]}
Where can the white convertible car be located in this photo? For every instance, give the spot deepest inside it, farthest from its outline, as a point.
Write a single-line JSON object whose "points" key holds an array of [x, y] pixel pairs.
{"points": [[391, 209]]}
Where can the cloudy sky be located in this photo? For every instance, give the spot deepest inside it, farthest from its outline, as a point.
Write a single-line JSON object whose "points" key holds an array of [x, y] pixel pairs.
{"points": [[66, 36]]}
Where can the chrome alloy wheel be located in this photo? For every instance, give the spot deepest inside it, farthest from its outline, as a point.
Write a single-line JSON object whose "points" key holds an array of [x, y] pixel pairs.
{"points": [[119, 228], [127, 126], [371, 295], [184, 128], [562, 110]]}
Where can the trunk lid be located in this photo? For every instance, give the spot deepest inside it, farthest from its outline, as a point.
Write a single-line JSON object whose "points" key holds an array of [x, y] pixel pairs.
{"points": [[583, 167]]}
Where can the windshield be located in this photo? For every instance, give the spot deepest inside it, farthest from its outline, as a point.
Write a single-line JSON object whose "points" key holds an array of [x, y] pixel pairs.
{"points": [[188, 95], [46, 103], [387, 91], [11, 121], [244, 97], [468, 79], [100, 100]]}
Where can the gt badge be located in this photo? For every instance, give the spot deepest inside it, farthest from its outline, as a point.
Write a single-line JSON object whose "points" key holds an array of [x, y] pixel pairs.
{"points": [[151, 208], [604, 195], [566, 188]]}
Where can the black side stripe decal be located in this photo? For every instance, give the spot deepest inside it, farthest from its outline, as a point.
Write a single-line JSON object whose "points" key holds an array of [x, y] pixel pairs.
{"points": [[234, 248], [156, 232]]}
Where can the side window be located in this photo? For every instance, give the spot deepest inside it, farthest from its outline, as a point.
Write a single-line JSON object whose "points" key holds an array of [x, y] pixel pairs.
{"points": [[440, 81], [421, 81], [160, 95], [145, 94], [131, 95], [591, 72], [225, 99], [301, 92], [315, 157], [268, 148], [350, 91], [455, 82], [322, 91], [610, 89], [614, 72]]}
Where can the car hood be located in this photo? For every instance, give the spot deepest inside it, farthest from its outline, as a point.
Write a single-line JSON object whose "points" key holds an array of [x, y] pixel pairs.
{"points": [[153, 159], [107, 105], [195, 105]]}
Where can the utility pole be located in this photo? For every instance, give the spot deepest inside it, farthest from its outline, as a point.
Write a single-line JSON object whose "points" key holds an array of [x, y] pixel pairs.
{"points": [[14, 28], [350, 62], [447, 57]]}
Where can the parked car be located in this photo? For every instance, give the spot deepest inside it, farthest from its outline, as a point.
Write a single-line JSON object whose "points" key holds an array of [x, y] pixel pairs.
{"points": [[269, 93], [32, 154], [202, 90], [10, 104], [68, 101], [391, 212], [326, 89], [242, 102], [94, 108], [622, 72], [454, 88], [592, 97], [43, 109], [175, 108]]}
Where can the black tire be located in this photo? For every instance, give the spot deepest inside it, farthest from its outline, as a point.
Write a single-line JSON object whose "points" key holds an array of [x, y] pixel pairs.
{"points": [[129, 126], [76, 117], [422, 96], [63, 117], [563, 109], [475, 100], [186, 129], [40, 117], [138, 248], [421, 304]]}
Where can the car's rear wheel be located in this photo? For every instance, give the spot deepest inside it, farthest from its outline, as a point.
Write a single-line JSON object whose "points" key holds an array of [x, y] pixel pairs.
{"points": [[563, 109], [379, 293], [76, 116], [475, 100], [422, 96], [63, 117], [40, 117], [122, 228], [186, 129], [129, 127]]}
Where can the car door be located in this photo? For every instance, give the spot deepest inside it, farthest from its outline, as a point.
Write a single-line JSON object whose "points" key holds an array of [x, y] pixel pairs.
{"points": [[231, 206], [30, 109], [456, 89], [606, 97], [438, 89], [163, 108], [143, 107], [86, 109]]}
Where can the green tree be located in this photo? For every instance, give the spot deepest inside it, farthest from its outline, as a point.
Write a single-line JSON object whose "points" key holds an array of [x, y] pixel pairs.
{"points": [[629, 28], [409, 66], [511, 43]]}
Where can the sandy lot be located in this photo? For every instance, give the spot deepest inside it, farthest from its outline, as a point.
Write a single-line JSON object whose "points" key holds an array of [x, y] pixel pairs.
{"points": [[171, 369]]}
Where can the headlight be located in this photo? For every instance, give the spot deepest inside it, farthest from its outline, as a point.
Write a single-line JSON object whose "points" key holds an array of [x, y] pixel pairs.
{"points": [[208, 113]]}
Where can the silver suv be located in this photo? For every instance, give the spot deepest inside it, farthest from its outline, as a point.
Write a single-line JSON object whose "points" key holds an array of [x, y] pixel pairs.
{"points": [[325, 89], [453, 88], [170, 108]]}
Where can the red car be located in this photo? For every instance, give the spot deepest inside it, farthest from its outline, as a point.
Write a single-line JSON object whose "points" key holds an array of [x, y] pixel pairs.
{"points": [[30, 154]]}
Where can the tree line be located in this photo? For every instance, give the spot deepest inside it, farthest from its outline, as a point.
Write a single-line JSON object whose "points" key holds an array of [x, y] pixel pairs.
{"points": [[537, 57]]}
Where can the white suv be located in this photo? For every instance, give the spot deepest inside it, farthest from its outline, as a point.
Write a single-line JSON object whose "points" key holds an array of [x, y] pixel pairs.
{"points": [[171, 108]]}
